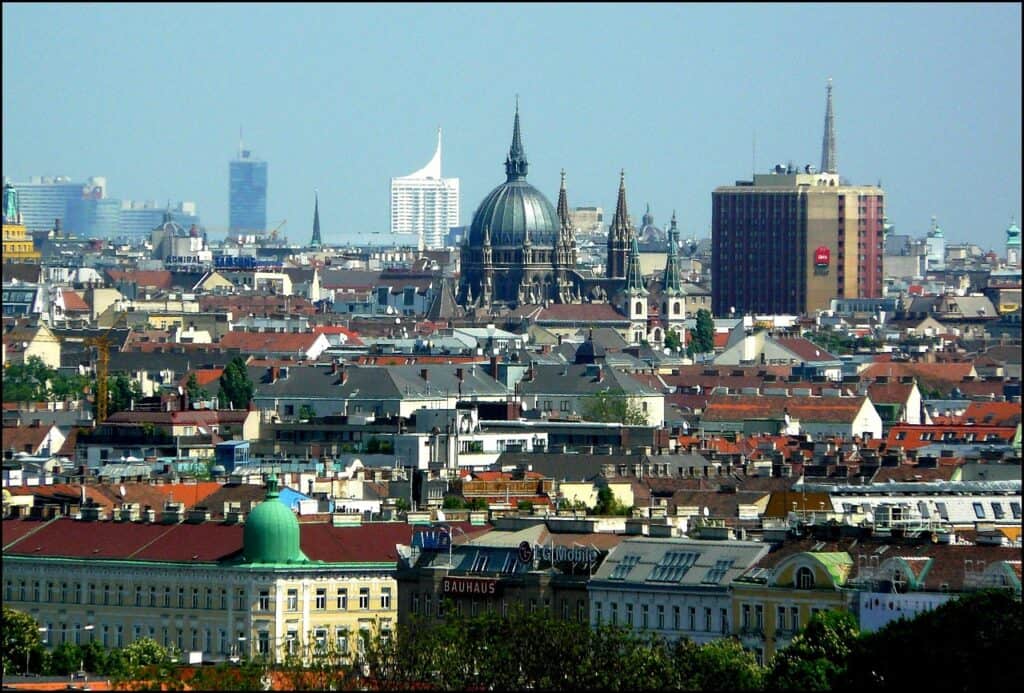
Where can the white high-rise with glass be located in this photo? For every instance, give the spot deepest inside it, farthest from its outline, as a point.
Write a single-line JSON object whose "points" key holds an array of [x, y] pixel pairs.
{"points": [[424, 206]]}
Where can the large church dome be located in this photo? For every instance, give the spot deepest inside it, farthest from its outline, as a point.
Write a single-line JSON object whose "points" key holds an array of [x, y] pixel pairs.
{"points": [[515, 207]]}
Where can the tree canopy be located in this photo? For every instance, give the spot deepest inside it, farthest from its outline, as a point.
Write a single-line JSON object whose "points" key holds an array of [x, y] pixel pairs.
{"points": [[236, 387], [702, 336], [613, 406], [22, 644]]}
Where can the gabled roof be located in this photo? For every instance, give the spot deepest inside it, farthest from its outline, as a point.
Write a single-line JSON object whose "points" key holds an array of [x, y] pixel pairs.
{"points": [[270, 342], [150, 279], [25, 438], [992, 413]]}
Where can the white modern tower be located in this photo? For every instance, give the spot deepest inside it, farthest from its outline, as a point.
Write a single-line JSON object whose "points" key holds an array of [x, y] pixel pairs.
{"points": [[424, 205]]}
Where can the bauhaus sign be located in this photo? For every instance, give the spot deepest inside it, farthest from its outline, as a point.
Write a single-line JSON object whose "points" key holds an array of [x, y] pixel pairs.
{"points": [[822, 256], [471, 587]]}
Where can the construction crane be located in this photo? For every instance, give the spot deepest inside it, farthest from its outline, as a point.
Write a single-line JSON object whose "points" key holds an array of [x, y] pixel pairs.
{"points": [[273, 234], [102, 344]]}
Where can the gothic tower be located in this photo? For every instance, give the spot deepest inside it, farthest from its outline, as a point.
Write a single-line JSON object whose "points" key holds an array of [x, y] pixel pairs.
{"points": [[636, 294], [619, 234], [674, 309]]}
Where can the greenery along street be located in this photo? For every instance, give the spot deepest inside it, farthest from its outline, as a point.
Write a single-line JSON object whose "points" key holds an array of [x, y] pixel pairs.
{"points": [[967, 644]]}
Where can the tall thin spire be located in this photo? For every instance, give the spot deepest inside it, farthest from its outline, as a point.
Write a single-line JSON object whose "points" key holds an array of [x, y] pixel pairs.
{"points": [[634, 277], [618, 235], [828, 142], [671, 283], [620, 222], [516, 164], [316, 242], [563, 206]]}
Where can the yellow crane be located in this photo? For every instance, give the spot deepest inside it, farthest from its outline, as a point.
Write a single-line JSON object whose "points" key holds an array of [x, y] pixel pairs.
{"points": [[273, 234], [102, 344]]}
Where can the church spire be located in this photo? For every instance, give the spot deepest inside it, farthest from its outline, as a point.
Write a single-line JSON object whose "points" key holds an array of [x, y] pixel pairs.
{"points": [[620, 222], [516, 164], [563, 206], [316, 242], [828, 142], [634, 277], [671, 283]]}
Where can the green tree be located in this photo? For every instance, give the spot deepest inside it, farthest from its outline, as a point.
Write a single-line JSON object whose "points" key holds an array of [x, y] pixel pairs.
{"points": [[65, 659], [477, 504], [195, 393], [971, 643], [402, 505], [817, 658], [525, 506], [613, 406], [608, 504], [95, 657], [121, 391], [145, 652], [28, 381], [307, 413], [68, 387], [702, 336], [236, 387], [673, 341], [722, 665], [22, 645], [454, 503]]}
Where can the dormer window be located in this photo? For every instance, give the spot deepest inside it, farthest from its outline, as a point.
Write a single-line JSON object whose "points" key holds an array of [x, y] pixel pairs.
{"points": [[804, 578]]}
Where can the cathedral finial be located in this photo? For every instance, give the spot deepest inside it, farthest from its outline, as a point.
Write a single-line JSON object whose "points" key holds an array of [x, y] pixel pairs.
{"points": [[565, 221], [516, 164], [828, 142]]}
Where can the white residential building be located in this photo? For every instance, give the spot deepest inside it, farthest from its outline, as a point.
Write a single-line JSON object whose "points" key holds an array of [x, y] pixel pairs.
{"points": [[424, 205]]}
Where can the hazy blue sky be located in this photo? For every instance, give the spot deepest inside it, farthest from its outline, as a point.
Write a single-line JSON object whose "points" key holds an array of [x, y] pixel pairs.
{"points": [[341, 98]]}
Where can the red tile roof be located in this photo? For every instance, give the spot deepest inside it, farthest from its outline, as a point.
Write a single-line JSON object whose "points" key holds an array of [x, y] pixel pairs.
{"points": [[943, 376], [805, 409], [278, 342], [805, 349], [25, 438], [74, 303], [993, 413], [352, 337], [911, 437], [152, 279]]}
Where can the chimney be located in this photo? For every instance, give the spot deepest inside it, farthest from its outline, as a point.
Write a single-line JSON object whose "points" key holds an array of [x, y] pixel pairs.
{"points": [[424, 373], [600, 373], [37, 423], [334, 367], [198, 516], [148, 514], [459, 374], [173, 513], [494, 367], [343, 373]]}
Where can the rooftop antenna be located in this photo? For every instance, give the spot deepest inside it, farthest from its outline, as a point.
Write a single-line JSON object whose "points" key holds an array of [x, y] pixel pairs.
{"points": [[240, 148], [753, 155]]}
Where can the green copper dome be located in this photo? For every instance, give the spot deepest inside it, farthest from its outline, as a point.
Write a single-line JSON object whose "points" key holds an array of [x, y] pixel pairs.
{"points": [[271, 533], [515, 208]]}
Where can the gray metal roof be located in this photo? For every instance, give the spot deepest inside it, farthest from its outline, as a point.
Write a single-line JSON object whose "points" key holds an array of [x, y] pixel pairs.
{"points": [[671, 562]]}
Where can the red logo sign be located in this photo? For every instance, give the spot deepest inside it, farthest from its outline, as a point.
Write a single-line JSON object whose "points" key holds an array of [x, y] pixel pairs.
{"points": [[822, 256]]}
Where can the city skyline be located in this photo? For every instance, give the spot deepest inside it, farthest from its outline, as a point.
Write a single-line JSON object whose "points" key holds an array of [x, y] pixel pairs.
{"points": [[684, 98]]}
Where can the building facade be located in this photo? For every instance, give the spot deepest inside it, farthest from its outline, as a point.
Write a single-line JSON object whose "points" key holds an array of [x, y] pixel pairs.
{"points": [[42, 200], [221, 589], [791, 240], [425, 206], [18, 246], [247, 195]]}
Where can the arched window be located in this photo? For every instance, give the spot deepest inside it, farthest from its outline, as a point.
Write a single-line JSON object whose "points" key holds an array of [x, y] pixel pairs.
{"points": [[675, 308], [804, 578], [639, 307]]}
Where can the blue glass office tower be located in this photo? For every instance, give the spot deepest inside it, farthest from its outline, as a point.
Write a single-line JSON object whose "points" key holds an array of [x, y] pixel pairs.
{"points": [[248, 195]]}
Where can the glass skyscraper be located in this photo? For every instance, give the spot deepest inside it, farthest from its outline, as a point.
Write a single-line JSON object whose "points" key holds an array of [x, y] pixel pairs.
{"points": [[247, 195], [425, 206], [42, 200]]}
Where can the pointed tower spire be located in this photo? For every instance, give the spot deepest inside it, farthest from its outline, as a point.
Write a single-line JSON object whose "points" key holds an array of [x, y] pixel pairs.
{"points": [[516, 164], [671, 282], [620, 222], [315, 242], [634, 277], [563, 206], [828, 142]]}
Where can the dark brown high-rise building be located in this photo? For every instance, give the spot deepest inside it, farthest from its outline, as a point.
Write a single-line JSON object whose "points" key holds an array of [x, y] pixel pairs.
{"points": [[792, 240]]}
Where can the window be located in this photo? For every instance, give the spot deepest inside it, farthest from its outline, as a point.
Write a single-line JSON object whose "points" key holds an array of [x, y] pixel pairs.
{"points": [[209, 598], [364, 598], [724, 616], [675, 617], [263, 642], [321, 598], [745, 622], [426, 604], [615, 613], [598, 615], [152, 596], [385, 598], [138, 595], [195, 598], [1015, 509], [479, 562], [780, 619], [581, 610], [794, 618], [181, 597], [804, 578], [415, 602], [629, 614], [693, 617], [707, 618], [263, 602], [661, 617], [758, 616], [979, 510], [342, 598], [643, 616], [223, 600], [293, 600], [625, 565], [997, 510], [341, 637]]}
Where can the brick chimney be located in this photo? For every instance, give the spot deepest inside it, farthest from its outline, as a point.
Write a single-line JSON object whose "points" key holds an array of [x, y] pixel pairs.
{"points": [[343, 373], [494, 367]]}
